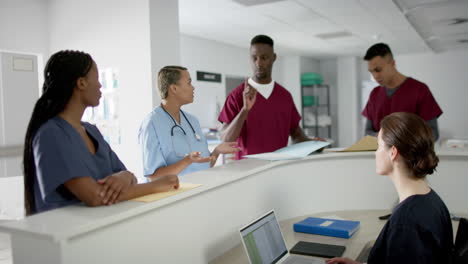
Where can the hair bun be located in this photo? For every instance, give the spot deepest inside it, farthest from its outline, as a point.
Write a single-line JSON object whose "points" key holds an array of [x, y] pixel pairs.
{"points": [[425, 164]]}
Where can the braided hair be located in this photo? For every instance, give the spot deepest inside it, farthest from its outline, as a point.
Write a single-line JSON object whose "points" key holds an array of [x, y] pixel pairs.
{"points": [[61, 73]]}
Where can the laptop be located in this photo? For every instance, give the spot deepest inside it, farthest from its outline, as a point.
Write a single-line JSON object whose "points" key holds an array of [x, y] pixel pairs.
{"points": [[264, 243]]}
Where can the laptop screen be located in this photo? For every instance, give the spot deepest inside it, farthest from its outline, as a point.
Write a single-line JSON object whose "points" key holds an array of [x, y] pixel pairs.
{"points": [[263, 240]]}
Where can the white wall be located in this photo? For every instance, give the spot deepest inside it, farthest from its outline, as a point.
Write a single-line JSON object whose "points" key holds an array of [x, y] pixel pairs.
{"points": [[24, 30], [210, 56], [11, 198], [309, 65], [18, 94], [24, 26], [117, 34], [446, 75], [291, 74]]}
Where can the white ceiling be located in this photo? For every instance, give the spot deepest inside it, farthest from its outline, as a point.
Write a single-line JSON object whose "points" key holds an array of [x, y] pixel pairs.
{"points": [[301, 26]]}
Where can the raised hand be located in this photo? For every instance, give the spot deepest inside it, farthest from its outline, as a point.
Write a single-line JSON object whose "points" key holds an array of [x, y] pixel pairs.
{"points": [[249, 96], [226, 148], [318, 139], [195, 157]]}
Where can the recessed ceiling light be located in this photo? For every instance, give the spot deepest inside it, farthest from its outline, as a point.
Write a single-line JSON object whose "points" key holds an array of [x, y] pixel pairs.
{"points": [[376, 37], [458, 21], [333, 35], [255, 2]]}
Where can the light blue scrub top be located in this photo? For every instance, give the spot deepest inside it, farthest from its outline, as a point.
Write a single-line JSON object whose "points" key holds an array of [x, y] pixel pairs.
{"points": [[160, 149]]}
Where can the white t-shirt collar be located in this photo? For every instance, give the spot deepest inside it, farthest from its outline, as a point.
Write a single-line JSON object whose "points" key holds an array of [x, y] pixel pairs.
{"points": [[264, 89]]}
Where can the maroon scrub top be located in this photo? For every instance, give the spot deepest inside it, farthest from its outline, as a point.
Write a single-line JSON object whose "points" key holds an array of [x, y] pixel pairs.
{"points": [[269, 123], [412, 96]]}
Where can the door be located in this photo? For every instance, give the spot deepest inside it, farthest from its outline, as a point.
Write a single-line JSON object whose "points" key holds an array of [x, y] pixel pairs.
{"points": [[19, 90]]}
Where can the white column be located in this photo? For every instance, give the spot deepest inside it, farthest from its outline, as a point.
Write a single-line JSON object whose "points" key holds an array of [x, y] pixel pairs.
{"points": [[348, 101], [165, 39], [134, 37]]}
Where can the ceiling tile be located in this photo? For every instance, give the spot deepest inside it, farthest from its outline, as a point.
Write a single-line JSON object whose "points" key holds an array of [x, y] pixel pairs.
{"points": [[287, 11], [294, 24]]}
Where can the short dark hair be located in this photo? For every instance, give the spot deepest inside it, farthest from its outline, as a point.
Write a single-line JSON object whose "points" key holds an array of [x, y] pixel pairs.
{"points": [[412, 136], [262, 39], [379, 49], [168, 75]]}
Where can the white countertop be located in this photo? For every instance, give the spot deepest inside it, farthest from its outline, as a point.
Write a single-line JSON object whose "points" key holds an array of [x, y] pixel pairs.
{"points": [[71, 221]]}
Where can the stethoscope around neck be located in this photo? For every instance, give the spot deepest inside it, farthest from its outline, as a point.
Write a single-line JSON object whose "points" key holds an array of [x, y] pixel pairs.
{"points": [[197, 137]]}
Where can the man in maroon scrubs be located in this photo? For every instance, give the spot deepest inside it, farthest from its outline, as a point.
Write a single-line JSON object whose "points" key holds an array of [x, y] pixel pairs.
{"points": [[259, 113], [396, 92]]}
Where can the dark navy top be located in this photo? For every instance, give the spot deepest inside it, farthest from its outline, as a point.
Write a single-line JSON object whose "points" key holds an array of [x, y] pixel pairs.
{"points": [[60, 154], [419, 231]]}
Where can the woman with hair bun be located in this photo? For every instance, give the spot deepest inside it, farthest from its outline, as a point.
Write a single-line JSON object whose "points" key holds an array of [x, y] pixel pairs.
{"points": [[419, 229], [66, 161]]}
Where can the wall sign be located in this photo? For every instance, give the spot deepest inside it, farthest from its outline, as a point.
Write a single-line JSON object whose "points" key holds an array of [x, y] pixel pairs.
{"points": [[208, 76]]}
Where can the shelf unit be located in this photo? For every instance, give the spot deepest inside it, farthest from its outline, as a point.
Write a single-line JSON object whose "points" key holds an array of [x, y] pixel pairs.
{"points": [[316, 116]]}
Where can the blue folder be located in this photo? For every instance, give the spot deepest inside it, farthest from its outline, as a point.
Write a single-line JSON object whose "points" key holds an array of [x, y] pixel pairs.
{"points": [[327, 227]]}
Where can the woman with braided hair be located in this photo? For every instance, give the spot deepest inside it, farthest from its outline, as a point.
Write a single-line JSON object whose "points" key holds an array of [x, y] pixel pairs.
{"points": [[66, 161], [419, 229]]}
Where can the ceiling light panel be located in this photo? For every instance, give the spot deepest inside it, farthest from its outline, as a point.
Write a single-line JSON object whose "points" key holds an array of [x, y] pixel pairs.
{"points": [[448, 30], [387, 14], [289, 11], [454, 9], [294, 23], [348, 41], [318, 26], [334, 35], [255, 2], [409, 4]]}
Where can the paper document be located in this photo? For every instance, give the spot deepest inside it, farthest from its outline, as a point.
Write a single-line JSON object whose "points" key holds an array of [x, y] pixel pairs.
{"points": [[295, 151], [183, 187], [367, 143]]}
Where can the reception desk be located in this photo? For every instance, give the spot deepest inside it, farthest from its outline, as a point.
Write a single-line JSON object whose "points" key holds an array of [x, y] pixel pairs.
{"points": [[199, 225], [363, 238]]}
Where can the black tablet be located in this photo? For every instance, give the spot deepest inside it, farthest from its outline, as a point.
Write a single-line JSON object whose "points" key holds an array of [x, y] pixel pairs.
{"points": [[317, 249]]}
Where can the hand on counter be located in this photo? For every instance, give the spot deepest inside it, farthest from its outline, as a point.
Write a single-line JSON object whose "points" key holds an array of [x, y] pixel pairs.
{"points": [[341, 260], [115, 184], [166, 183]]}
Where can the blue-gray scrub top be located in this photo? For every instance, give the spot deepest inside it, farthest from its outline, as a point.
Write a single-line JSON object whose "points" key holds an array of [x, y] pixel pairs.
{"points": [[161, 149], [60, 154]]}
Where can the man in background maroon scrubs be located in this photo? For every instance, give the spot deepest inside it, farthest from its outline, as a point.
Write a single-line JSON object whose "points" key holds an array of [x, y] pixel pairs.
{"points": [[396, 92], [260, 114]]}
